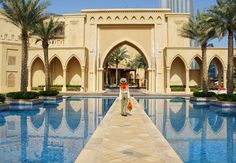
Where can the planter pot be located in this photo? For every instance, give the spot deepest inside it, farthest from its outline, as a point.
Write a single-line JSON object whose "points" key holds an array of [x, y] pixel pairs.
{"points": [[23, 103], [51, 99], [4, 106]]}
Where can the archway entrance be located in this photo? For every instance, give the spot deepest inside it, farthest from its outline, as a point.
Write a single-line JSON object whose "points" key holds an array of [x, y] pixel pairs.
{"points": [[216, 73], [125, 60]]}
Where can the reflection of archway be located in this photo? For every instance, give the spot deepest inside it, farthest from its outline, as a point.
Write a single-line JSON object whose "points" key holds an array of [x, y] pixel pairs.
{"points": [[195, 119], [56, 72], [73, 114], [178, 72], [214, 121], [73, 72], [54, 116], [37, 71], [125, 71], [37, 120], [215, 72], [177, 115], [195, 72]]}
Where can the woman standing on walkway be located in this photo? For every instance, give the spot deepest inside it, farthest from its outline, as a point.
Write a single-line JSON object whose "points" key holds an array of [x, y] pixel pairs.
{"points": [[124, 95]]}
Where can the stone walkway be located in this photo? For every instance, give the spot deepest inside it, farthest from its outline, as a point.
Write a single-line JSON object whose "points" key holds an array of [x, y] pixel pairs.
{"points": [[131, 139]]}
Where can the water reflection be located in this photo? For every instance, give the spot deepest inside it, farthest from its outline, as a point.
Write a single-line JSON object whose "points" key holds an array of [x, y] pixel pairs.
{"points": [[197, 133], [50, 133]]}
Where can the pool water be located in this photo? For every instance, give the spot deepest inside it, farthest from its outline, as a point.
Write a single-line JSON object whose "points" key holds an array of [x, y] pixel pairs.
{"points": [[52, 132], [199, 134]]}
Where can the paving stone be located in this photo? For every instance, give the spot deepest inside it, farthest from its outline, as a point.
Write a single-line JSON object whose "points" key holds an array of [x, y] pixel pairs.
{"points": [[133, 138]]}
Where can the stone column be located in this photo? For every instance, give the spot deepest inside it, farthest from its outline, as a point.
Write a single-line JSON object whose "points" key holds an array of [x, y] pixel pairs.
{"points": [[187, 89], [149, 79], [225, 78], [64, 81], [168, 90], [82, 79], [100, 79], [29, 80]]}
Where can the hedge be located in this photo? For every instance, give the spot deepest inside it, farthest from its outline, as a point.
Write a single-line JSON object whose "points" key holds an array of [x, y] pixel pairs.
{"points": [[177, 88], [202, 94], [73, 87], [225, 97], [2, 98], [22, 95], [49, 93]]}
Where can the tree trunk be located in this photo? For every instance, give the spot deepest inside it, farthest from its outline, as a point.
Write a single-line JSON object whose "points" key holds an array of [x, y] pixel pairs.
{"points": [[116, 73], [204, 69], [46, 64], [230, 83], [24, 61]]}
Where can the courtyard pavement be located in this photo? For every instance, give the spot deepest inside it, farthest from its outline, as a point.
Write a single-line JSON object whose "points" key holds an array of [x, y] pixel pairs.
{"points": [[131, 139]]}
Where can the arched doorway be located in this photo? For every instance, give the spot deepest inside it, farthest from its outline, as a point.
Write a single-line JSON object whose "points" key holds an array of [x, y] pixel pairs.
{"points": [[125, 60], [178, 75], [216, 73], [37, 71], [56, 72], [73, 75]]}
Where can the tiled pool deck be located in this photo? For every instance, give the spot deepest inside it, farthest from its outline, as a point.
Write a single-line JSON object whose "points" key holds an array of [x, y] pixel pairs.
{"points": [[127, 139]]}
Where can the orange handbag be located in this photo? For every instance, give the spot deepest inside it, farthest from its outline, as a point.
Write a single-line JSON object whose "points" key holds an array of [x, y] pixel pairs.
{"points": [[130, 106]]}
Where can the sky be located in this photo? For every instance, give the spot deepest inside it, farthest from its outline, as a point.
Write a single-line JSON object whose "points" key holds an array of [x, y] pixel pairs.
{"points": [[74, 6]]}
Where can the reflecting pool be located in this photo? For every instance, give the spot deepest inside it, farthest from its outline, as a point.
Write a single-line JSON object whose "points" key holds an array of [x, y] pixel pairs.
{"points": [[50, 133], [198, 134]]}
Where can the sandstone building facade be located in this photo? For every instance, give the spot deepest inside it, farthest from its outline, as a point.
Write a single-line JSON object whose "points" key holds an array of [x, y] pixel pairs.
{"points": [[77, 57]]}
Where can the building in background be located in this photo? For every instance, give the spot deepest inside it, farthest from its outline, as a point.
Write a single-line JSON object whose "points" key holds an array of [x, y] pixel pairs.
{"points": [[178, 6]]}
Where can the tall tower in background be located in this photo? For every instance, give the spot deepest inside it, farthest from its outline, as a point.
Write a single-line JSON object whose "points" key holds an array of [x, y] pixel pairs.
{"points": [[179, 6]]}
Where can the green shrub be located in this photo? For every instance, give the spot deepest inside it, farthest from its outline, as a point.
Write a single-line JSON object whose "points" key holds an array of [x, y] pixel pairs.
{"points": [[2, 98], [202, 94], [56, 87], [22, 95], [73, 87], [177, 88], [49, 93], [225, 97], [195, 88]]}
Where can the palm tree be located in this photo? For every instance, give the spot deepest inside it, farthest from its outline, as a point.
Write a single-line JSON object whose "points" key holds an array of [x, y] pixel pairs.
{"points": [[25, 14], [223, 17], [118, 55], [137, 62], [197, 29], [46, 30]]}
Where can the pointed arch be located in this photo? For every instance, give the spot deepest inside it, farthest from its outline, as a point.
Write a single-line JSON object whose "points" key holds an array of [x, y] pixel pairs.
{"points": [[195, 71], [32, 60], [142, 18], [92, 19], [37, 72], [67, 61], [133, 18], [100, 18], [219, 59], [108, 18], [150, 18], [56, 72], [74, 72], [180, 57], [177, 71], [131, 43], [125, 18], [197, 56], [117, 18], [216, 71]]}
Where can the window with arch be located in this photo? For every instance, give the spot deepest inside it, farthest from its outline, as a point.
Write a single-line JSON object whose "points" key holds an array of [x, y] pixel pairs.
{"points": [[11, 80]]}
